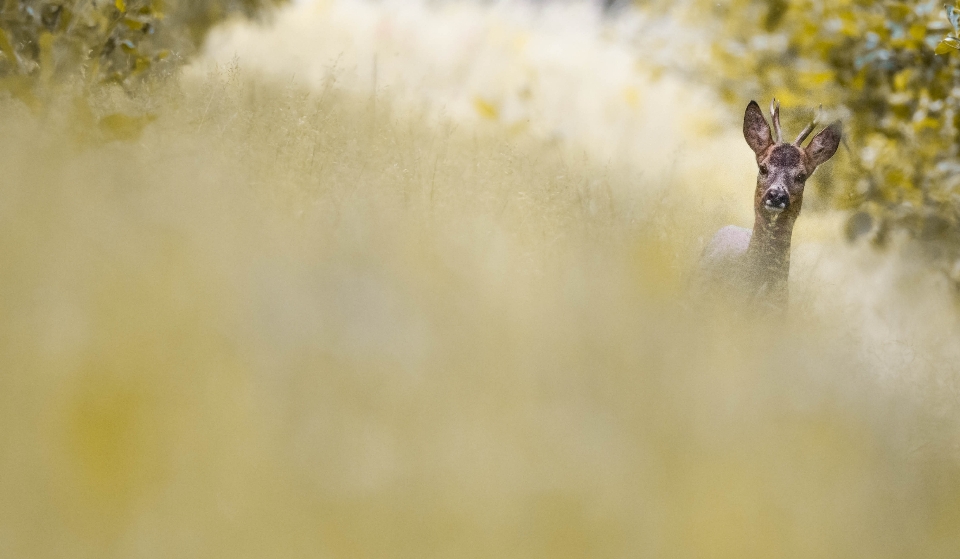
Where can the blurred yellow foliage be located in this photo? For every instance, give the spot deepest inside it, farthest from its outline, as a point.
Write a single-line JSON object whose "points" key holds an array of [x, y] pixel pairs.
{"points": [[297, 324], [285, 323], [632, 97], [105, 42], [486, 109], [124, 127]]}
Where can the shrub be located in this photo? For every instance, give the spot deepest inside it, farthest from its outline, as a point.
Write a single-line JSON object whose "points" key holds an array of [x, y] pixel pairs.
{"points": [[102, 41], [877, 65]]}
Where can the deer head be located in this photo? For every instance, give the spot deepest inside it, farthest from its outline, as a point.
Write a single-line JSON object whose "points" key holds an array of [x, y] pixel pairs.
{"points": [[784, 168]]}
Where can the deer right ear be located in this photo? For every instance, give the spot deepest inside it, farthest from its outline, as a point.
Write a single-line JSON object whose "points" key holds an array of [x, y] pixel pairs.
{"points": [[756, 130], [825, 144]]}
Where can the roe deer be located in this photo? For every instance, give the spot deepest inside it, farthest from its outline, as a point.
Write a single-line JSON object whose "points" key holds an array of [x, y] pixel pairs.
{"points": [[756, 264]]}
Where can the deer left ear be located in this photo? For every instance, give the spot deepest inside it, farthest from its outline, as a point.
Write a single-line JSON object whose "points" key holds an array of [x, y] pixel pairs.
{"points": [[756, 130], [825, 144]]}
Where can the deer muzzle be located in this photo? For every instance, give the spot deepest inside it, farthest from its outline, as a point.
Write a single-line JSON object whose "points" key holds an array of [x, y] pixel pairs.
{"points": [[776, 200]]}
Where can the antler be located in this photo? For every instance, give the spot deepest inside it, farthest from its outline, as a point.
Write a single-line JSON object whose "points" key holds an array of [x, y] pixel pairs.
{"points": [[806, 131], [775, 114]]}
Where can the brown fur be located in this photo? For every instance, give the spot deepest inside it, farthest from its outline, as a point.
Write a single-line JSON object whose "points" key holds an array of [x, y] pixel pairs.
{"points": [[760, 270]]}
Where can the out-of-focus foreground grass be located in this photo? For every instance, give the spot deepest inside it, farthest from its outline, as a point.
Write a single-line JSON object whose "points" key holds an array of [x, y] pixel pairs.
{"points": [[288, 324]]}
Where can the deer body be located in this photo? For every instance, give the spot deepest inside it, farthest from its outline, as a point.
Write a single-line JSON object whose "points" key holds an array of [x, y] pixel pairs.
{"points": [[756, 263]]}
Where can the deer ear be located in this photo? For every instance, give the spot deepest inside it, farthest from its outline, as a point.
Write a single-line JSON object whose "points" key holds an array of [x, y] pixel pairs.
{"points": [[756, 130], [825, 144]]}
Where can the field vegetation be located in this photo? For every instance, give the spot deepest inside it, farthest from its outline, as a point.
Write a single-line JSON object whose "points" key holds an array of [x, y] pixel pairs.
{"points": [[280, 321]]}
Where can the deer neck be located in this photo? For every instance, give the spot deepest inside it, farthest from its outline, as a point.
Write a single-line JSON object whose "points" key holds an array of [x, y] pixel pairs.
{"points": [[768, 254]]}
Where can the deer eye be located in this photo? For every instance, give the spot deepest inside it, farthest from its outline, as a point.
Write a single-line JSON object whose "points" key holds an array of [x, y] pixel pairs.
{"points": [[801, 177], [764, 170]]}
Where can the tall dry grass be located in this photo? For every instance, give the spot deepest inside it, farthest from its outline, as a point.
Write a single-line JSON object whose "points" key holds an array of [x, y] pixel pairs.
{"points": [[284, 323]]}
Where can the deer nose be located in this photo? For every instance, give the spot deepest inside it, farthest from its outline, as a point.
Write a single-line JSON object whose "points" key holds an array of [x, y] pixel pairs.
{"points": [[776, 200]]}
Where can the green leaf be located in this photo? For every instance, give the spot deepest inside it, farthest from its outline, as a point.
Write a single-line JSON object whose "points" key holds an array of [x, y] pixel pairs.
{"points": [[134, 24], [121, 5], [948, 44], [7, 48]]}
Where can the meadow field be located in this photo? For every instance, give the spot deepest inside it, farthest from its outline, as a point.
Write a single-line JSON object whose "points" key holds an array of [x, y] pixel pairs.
{"points": [[357, 289]]}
